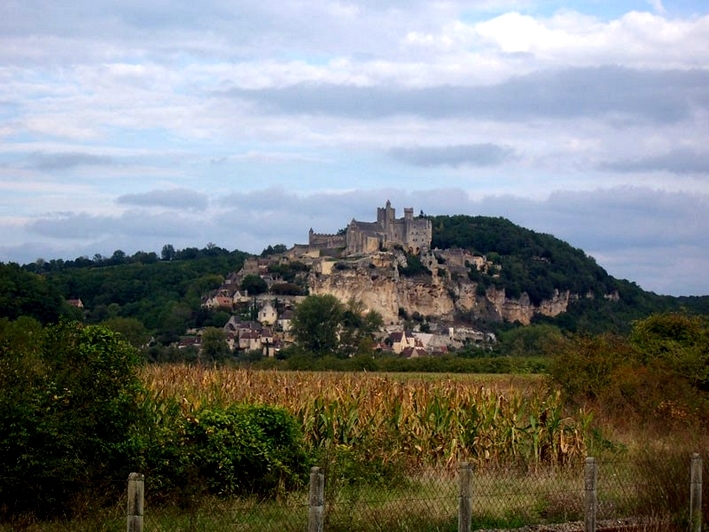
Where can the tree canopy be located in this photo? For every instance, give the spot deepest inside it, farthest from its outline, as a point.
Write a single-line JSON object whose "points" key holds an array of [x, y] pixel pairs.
{"points": [[67, 412], [323, 325], [316, 322]]}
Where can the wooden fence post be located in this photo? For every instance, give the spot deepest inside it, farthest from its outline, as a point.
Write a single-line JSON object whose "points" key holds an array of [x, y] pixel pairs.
{"points": [[465, 497], [136, 492], [695, 494], [591, 499], [316, 503]]}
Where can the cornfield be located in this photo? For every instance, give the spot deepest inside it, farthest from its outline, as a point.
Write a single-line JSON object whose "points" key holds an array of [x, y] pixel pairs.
{"points": [[417, 422]]}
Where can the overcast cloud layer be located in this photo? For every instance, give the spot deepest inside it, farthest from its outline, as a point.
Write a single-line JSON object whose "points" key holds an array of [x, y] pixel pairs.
{"points": [[130, 125]]}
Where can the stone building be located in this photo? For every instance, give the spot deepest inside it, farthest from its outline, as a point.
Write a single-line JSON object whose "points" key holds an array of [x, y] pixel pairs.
{"points": [[412, 234]]}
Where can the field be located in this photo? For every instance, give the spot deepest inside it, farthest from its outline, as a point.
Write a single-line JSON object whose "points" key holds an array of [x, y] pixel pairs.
{"points": [[390, 446], [417, 420]]}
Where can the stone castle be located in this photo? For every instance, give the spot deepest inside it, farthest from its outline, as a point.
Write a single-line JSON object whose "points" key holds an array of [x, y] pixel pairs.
{"points": [[412, 234]]}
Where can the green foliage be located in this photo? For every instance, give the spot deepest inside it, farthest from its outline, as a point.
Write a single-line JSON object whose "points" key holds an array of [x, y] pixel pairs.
{"points": [[529, 262], [316, 322], [288, 270], [356, 329], [444, 364], [679, 341], [27, 294], [532, 340], [237, 450], [286, 289], [274, 250], [322, 325], [413, 267], [164, 295], [254, 285], [214, 346], [130, 329], [584, 365], [657, 376], [539, 264], [67, 412]]}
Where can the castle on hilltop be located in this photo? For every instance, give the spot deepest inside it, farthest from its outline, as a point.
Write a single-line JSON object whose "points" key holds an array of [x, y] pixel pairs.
{"points": [[412, 234]]}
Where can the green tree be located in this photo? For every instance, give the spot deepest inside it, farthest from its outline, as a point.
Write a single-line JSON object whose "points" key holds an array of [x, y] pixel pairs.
{"points": [[316, 324], [254, 285], [131, 330], [67, 412], [168, 252], [214, 346], [677, 341], [357, 327], [274, 250], [28, 294]]}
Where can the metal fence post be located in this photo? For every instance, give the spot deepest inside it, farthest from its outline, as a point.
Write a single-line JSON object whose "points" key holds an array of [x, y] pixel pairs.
{"points": [[465, 497], [591, 499], [316, 501], [136, 495], [695, 494]]}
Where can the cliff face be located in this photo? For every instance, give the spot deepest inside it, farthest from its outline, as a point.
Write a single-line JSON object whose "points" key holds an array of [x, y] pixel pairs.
{"points": [[377, 283]]}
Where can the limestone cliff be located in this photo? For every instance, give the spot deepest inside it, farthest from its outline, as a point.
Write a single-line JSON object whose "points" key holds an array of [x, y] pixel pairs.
{"points": [[377, 283]]}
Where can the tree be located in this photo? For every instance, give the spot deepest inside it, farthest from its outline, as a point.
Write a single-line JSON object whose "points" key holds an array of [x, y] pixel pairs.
{"points": [[28, 294], [118, 257], [168, 252], [131, 330], [677, 341], [254, 285], [316, 323], [357, 328], [274, 250], [214, 346], [68, 407]]}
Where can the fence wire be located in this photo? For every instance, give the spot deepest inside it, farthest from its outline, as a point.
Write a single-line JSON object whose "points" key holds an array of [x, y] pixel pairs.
{"points": [[427, 499]]}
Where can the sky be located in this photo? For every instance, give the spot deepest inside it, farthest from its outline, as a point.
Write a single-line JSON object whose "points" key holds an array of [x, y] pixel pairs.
{"points": [[130, 124]]}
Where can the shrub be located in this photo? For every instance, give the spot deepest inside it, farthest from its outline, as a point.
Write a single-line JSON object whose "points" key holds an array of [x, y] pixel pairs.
{"points": [[67, 410], [238, 450]]}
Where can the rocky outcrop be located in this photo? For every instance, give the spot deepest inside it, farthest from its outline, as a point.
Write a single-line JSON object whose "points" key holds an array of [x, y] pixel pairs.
{"points": [[376, 282]]}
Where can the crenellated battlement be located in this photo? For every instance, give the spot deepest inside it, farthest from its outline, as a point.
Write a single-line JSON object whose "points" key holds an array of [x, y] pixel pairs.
{"points": [[325, 241]]}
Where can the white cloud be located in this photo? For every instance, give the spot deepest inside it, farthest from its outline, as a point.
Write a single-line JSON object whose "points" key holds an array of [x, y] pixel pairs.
{"points": [[116, 109]]}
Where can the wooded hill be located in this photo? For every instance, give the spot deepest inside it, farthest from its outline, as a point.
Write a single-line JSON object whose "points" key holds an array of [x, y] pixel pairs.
{"points": [[162, 295], [538, 263]]}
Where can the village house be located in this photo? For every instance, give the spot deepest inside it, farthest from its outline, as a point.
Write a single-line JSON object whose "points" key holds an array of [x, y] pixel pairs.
{"points": [[267, 315], [400, 340]]}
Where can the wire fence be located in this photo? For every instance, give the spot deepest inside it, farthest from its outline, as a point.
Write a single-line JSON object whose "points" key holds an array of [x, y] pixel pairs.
{"points": [[460, 498]]}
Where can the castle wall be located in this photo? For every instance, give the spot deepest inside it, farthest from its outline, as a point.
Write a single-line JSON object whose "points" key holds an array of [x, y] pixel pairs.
{"points": [[325, 241], [367, 237]]}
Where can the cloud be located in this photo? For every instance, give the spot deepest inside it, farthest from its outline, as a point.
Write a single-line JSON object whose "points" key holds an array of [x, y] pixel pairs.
{"points": [[657, 239], [49, 162], [654, 96], [176, 198], [657, 6], [462, 155], [679, 161], [135, 224]]}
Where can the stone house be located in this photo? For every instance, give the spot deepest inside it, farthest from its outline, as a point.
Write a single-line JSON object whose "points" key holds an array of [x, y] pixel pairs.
{"points": [[267, 315], [400, 340]]}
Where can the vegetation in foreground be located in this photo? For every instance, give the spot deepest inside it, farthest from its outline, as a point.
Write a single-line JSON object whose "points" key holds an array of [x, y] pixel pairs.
{"points": [[195, 430]]}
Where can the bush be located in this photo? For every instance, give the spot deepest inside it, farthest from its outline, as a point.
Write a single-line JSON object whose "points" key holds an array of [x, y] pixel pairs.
{"points": [[67, 412], [238, 450], [656, 378]]}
